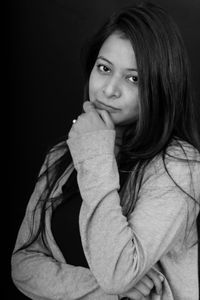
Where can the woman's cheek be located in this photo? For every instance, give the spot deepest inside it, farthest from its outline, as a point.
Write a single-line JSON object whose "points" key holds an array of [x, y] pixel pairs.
{"points": [[92, 90]]}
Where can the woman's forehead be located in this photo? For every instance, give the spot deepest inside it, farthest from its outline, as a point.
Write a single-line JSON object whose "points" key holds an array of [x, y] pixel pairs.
{"points": [[119, 51]]}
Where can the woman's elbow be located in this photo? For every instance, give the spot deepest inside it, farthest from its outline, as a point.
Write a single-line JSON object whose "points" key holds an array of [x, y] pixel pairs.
{"points": [[117, 285]]}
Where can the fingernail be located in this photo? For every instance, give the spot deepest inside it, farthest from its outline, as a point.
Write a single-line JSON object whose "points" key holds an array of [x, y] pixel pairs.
{"points": [[158, 292], [161, 278]]}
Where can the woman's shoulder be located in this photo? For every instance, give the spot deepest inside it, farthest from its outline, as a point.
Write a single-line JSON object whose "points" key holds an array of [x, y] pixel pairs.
{"points": [[183, 159], [182, 150], [179, 163], [177, 153]]}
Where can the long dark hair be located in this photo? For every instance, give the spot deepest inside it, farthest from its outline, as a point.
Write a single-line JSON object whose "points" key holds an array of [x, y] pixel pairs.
{"points": [[166, 112]]}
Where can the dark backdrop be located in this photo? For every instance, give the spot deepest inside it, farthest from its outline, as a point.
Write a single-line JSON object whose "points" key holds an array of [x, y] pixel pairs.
{"points": [[45, 83]]}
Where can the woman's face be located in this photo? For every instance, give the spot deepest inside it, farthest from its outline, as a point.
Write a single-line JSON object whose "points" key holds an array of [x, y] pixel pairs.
{"points": [[113, 83]]}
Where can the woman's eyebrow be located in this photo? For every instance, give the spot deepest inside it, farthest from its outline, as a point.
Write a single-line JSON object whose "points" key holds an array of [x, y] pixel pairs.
{"points": [[108, 61], [103, 58]]}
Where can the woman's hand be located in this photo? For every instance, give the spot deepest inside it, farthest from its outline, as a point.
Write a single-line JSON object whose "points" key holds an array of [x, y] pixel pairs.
{"points": [[144, 287], [92, 120]]}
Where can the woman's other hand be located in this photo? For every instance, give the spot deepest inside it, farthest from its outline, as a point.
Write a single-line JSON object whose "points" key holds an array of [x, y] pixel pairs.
{"points": [[91, 120], [151, 281]]}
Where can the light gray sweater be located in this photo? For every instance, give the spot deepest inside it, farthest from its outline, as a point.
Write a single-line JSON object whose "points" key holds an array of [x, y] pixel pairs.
{"points": [[119, 251]]}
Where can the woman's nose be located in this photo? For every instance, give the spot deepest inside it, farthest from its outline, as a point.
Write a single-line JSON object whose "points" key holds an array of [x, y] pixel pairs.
{"points": [[112, 88]]}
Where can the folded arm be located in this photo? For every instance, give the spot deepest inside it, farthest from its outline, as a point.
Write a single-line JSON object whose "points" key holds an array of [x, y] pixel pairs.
{"points": [[121, 251], [42, 273]]}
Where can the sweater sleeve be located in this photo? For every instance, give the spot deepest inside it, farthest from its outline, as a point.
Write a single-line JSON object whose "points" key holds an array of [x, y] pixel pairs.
{"points": [[121, 251], [43, 274]]}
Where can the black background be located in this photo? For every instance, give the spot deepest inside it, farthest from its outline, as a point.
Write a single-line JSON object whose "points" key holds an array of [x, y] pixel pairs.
{"points": [[45, 83]]}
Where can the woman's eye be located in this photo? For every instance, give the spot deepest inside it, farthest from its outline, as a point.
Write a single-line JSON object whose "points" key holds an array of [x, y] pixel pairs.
{"points": [[133, 79], [103, 68]]}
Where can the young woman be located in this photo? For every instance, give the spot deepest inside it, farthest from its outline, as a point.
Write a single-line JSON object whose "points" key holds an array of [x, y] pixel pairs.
{"points": [[122, 192]]}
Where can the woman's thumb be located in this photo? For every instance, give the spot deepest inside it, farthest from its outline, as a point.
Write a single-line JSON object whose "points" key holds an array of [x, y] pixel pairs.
{"points": [[88, 106]]}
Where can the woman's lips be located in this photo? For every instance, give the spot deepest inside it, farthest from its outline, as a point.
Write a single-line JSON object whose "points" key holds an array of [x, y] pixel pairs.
{"points": [[100, 105]]}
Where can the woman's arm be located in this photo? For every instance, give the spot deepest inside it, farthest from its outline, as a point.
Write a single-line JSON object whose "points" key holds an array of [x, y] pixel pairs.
{"points": [[40, 276], [44, 274], [120, 251]]}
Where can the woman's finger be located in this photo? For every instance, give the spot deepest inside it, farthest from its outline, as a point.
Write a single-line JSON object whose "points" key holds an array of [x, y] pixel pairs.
{"points": [[157, 280], [143, 288], [106, 118], [133, 294], [88, 106], [140, 290], [148, 282]]}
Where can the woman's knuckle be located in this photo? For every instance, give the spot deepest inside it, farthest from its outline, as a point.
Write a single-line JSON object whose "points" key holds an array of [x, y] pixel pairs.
{"points": [[146, 292]]}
